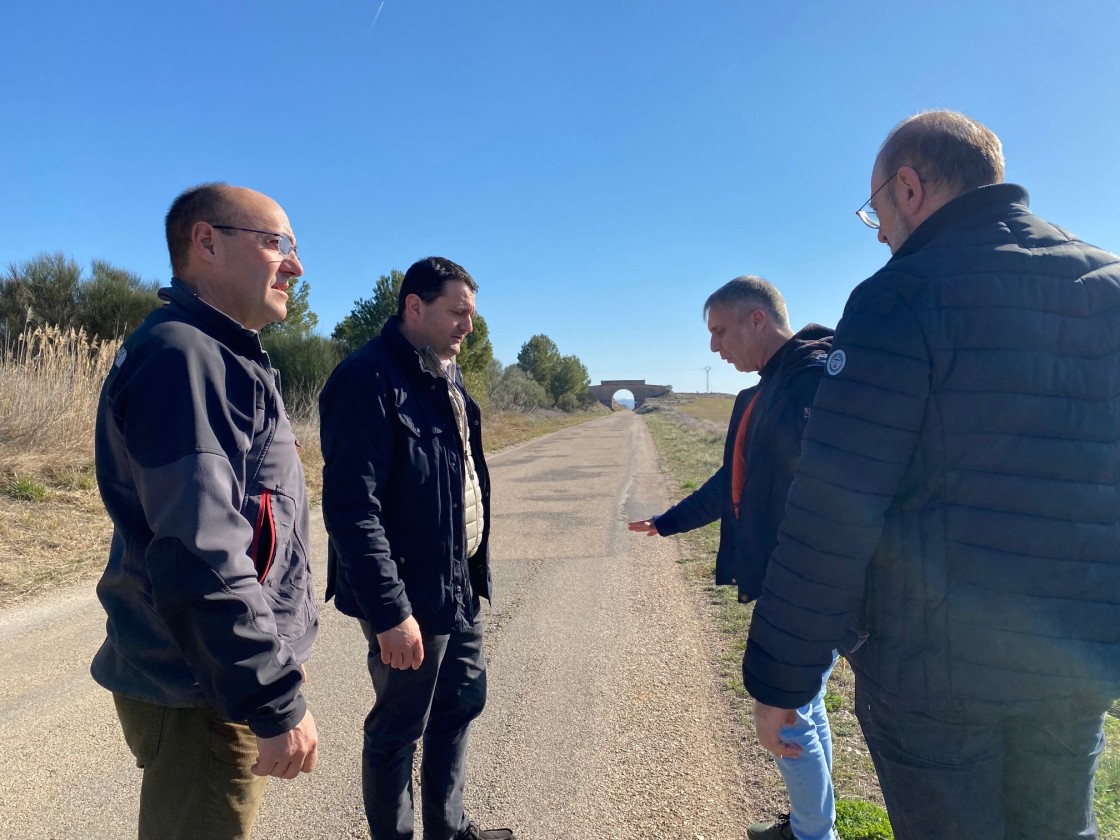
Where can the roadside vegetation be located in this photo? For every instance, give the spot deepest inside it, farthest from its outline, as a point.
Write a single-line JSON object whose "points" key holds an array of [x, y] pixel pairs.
{"points": [[60, 329], [689, 433], [53, 528]]}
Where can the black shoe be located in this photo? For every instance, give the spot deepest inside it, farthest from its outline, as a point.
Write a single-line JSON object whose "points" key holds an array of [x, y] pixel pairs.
{"points": [[778, 829], [474, 833]]}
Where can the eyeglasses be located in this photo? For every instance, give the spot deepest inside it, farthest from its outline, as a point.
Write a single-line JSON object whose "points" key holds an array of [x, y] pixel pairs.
{"points": [[284, 243], [866, 212]]}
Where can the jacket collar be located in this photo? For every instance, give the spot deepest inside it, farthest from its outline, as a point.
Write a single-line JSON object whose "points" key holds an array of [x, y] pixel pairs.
{"points": [[244, 341], [809, 345], [412, 358], [992, 201]]}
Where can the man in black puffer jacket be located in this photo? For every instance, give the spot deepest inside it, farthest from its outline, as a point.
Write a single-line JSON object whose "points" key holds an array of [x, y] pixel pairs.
{"points": [[750, 328], [956, 504]]}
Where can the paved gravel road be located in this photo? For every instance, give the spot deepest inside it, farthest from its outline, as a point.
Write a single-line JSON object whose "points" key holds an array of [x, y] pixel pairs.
{"points": [[603, 719]]}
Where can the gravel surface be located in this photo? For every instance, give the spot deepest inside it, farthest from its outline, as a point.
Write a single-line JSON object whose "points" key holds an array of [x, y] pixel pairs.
{"points": [[604, 718]]}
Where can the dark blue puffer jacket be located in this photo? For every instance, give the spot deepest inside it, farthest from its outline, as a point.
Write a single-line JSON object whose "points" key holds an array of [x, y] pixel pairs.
{"points": [[957, 495]]}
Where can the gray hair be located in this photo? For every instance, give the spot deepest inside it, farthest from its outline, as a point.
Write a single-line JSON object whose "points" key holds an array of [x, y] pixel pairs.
{"points": [[748, 293], [945, 148]]}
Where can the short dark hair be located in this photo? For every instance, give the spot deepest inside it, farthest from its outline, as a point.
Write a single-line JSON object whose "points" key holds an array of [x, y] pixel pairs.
{"points": [[945, 148], [427, 277], [748, 293], [205, 203]]}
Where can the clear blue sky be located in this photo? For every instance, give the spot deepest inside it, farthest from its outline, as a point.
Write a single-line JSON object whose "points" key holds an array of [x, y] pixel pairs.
{"points": [[600, 166]]}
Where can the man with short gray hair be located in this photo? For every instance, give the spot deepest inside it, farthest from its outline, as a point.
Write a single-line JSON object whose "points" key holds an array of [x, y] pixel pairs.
{"points": [[954, 519], [749, 328]]}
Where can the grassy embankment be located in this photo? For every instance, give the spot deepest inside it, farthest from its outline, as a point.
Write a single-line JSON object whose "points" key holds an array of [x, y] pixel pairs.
{"points": [[53, 528], [689, 437]]}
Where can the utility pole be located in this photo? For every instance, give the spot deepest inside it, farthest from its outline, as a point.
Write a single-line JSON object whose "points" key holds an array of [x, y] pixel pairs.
{"points": [[707, 387]]}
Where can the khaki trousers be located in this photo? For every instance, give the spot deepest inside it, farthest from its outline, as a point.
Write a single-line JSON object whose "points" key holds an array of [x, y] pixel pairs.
{"points": [[197, 784]]}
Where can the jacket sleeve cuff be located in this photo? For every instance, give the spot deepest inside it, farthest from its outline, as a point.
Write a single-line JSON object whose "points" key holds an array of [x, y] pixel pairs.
{"points": [[388, 616], [665, 524], [768, 695], [777, 684], [269, 724]]}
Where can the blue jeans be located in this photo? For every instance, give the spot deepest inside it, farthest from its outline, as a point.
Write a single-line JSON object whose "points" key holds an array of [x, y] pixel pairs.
{"points": [[983, 772], [808, 778], [437, 702]]}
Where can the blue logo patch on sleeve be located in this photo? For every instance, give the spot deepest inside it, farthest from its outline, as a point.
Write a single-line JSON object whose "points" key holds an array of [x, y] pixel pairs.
{"points": [[836, 361]]}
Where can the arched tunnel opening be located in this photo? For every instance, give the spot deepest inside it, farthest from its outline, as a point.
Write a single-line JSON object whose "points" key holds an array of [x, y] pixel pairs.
{"points": [[622, 400]]}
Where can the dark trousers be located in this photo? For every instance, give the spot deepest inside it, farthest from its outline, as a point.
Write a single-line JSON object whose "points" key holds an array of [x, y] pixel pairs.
{"points": [[436, 703], [979, 772]]}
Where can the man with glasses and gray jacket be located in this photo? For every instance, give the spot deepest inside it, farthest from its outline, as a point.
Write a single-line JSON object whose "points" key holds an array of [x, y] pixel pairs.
{"points": [[211, 612]]}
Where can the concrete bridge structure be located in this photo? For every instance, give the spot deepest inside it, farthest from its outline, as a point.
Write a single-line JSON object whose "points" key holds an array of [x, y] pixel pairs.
{"points": [[605, 390]]}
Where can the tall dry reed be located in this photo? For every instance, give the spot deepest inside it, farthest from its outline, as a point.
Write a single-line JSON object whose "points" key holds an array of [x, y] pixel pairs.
{"points": [[50, 380]]}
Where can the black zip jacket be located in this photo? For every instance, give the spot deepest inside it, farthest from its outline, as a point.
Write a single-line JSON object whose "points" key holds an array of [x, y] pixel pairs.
{"points": [[393, 491], [788, 382], [208, 589], [958, 494]]}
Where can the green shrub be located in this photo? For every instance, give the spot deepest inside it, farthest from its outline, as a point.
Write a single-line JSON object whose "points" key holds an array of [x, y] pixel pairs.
{"points": [[25, 489], [567, 402], [515, 390], [304, 363], [833, 702], [859, 820]]}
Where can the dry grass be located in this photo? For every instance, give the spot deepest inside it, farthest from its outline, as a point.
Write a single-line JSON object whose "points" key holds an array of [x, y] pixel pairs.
{"points": [[506, 429], [715, 408], [49, 385], [306, 426], [48, 544], [53, 528]]}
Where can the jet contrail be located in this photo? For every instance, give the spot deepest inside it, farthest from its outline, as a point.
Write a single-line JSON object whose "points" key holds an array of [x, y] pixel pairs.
{"points": [[375, 17]]}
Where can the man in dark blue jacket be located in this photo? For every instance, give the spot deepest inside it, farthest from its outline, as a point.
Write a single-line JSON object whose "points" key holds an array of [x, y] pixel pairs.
{"points": [[406, 502], [957, 504], [749, 328]]}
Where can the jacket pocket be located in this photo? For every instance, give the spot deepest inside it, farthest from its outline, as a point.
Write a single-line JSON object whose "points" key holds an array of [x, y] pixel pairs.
{"points": [[421, 438], [142, 724], [263, 549], [409, 424]]}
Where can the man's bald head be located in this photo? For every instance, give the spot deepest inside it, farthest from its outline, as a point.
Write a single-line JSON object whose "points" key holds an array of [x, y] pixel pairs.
{"points": [[951, 152], [217, 203]]}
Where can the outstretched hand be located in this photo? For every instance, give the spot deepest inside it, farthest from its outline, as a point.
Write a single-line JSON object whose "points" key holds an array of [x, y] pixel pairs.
{"points": [[287, 755], [768, 723], [644, 525]]}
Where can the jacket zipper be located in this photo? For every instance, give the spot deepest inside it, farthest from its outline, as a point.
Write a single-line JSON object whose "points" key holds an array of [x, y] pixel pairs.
{"points": [[264, 536]]}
